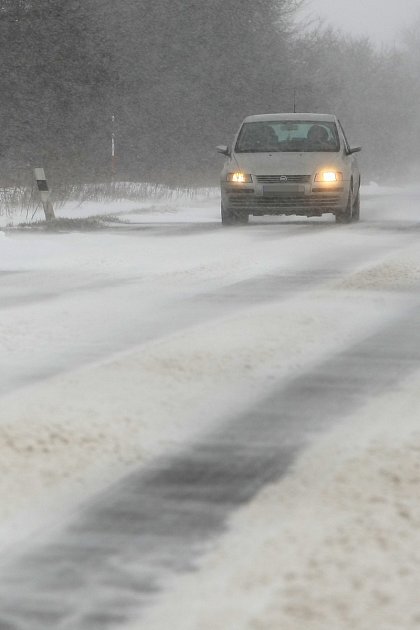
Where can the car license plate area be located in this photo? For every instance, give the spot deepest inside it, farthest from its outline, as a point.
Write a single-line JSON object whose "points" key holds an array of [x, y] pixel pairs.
{"points": [[278, 190]]}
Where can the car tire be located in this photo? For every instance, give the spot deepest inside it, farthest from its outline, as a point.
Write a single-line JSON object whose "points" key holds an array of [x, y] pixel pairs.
{"points": [[243, 218], [232, 218], [345, 216], [355, 215]]}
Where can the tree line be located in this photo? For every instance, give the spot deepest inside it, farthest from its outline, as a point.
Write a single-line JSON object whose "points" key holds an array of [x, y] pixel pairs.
{"points": [[179, 75]]}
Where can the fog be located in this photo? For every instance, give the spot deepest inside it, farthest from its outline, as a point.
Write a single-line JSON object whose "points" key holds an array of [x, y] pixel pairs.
{"points": [[381, 21], [69, 68], [215, 425]]}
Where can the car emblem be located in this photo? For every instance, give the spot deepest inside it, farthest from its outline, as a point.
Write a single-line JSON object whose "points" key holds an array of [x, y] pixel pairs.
{"points": [[283, 178]]}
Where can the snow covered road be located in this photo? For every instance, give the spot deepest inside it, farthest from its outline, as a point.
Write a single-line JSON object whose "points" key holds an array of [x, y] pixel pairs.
{"points": [[196, 365]]}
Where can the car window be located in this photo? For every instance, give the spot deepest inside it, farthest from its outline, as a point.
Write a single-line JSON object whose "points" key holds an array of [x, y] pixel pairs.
{"points": [[288, 136]]}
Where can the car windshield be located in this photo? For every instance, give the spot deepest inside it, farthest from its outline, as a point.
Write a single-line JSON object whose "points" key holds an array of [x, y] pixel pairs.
{"points": [[278, 136]]}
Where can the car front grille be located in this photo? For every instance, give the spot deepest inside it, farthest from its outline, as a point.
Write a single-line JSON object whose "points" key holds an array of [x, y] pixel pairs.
{"points": [[277, 204], [279, 179]]}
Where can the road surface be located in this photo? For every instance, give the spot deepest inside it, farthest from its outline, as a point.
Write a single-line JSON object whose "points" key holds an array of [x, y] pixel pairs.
{"points": [[358, 288]]}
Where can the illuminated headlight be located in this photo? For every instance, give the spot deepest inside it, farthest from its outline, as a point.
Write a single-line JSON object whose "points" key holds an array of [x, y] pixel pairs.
{"points": [[239, 178], [329, 177]]}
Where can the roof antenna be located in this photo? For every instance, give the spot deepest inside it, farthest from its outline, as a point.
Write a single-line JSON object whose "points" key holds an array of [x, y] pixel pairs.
{"points": [[294, 100]]}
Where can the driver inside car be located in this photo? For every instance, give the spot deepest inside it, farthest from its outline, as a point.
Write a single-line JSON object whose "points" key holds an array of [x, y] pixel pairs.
{"points": [[318, 135]]}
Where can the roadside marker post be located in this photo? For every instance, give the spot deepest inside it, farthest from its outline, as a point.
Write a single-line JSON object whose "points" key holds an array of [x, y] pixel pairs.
{"points": [[44, 193]]}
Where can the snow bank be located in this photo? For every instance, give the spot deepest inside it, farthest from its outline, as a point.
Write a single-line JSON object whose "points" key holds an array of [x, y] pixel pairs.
{"points": [[334, 545]]}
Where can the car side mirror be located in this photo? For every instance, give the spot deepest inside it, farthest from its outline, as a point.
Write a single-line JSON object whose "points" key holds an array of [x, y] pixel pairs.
{"points": [[223, 149], [354, 150]]}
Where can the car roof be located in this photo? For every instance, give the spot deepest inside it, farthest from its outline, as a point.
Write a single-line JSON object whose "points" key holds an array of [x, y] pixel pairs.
{"points": [[291, 117]]}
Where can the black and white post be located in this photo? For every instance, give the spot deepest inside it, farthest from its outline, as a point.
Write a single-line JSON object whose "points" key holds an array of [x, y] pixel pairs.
{"points": [[44, 193]]}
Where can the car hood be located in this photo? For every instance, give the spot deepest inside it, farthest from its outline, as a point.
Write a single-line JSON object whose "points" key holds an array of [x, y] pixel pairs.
{"points": [[285, 163]]}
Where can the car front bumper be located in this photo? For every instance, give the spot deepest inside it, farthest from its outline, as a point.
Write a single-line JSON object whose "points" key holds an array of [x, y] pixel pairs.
{"points": [[309, 199]]}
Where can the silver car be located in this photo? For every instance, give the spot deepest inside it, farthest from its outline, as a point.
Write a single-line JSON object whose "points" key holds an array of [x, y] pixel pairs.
{"points": [[292, 164]]}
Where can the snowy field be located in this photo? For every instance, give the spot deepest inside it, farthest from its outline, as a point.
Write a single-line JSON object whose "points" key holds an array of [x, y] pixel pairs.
{"points": [[126, 344]]}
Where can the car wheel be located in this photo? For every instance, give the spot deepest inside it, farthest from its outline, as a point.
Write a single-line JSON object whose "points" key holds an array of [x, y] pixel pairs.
{"points": [[355, 215], [232, 218], [345, 216]]}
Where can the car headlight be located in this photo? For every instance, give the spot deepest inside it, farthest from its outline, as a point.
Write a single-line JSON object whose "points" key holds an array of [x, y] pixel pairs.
{"points": [[239, 178], [329, 177]]}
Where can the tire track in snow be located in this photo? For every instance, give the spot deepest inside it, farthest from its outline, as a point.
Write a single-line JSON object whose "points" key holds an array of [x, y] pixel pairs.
{"points": [[113, 559]]}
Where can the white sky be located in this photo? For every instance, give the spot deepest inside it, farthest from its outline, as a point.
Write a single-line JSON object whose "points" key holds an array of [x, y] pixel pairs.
{"points": [[382, 20]]}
